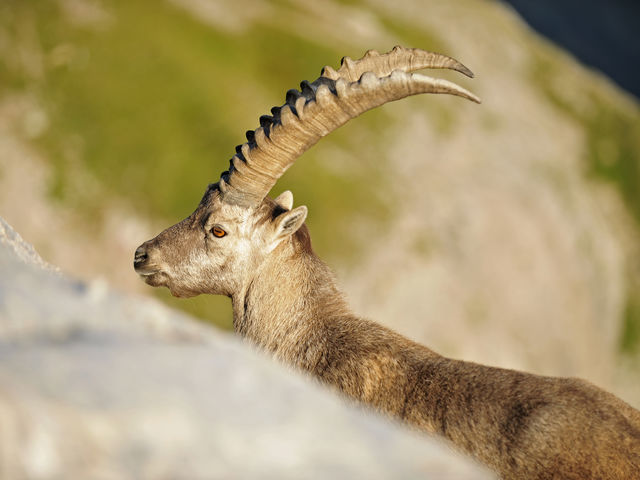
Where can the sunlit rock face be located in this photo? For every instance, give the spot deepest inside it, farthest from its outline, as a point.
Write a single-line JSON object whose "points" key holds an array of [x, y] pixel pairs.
{"points": [[95, 384]]}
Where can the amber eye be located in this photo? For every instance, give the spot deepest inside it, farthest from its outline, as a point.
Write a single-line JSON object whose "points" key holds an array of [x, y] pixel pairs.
{"points": [[218, 232]]}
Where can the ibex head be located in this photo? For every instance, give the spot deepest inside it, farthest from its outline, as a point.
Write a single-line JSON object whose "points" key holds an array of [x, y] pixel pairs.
{"points": [[236, 226], [217, 246]]}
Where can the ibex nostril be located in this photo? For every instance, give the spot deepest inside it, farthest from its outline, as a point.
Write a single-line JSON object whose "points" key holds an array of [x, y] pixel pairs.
{"points": [[140, 256]]}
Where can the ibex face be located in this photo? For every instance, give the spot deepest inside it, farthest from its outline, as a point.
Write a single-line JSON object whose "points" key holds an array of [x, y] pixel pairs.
{"points": [[213, 249]]}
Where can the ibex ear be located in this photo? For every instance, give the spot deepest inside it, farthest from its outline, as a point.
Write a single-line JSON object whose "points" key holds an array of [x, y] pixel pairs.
{"points": [[288, 223], [285, 200]]}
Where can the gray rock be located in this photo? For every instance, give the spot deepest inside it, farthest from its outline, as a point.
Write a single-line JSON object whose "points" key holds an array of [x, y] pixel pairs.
{"points": [[98, 385]]}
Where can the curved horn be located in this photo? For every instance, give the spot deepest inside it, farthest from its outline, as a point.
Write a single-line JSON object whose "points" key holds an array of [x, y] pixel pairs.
{"points": [[400, 58], [310, 114]]}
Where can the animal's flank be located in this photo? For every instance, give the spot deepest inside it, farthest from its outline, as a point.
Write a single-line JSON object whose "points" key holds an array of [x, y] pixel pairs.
{"points": [[240, 243]]}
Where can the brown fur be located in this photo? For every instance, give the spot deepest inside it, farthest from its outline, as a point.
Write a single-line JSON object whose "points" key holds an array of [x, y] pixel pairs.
{"points": [[286, 302], [521, 425]]}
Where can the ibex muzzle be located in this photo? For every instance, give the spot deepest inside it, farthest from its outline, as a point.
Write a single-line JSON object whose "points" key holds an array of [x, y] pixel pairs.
{"points": [[257, 251], [161, 261]]}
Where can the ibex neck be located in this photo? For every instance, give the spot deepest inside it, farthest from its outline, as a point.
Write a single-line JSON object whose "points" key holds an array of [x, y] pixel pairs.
{"points": [[283, 302]]}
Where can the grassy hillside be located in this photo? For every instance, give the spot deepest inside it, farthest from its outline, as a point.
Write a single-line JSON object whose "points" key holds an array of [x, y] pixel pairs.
{"points": [[146, 103], [612, 155]]}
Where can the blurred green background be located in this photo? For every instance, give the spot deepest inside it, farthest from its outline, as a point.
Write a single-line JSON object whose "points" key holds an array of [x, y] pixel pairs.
{"points": [[151, 102]]}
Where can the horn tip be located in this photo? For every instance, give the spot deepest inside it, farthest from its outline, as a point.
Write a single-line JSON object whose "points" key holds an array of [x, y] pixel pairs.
{"points": [[465, 71], [474, 98]]}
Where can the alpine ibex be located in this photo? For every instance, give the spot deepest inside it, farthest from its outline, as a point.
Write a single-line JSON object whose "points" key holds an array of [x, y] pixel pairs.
{"points": [[257, 251]]}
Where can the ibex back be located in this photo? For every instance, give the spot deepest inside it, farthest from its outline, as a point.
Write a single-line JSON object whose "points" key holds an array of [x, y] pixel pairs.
{"points": [[257, 251]]}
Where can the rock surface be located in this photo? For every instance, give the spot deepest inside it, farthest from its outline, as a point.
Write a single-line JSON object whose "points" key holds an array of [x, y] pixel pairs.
{"points": [[95, 384]]}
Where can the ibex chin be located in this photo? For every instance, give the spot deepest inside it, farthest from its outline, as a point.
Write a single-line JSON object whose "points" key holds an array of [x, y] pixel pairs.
{"points": [[257, 251]]}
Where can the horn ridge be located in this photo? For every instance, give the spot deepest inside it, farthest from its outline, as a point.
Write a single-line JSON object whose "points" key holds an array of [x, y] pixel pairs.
{"points": [[399, 58], [320, 107]]}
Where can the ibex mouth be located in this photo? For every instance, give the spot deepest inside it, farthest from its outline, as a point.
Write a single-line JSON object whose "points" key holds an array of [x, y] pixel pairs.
{"points": [[144, 270], [155, 278], [147, 273]]}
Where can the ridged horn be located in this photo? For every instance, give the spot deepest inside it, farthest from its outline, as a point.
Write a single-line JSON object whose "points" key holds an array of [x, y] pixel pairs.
{"points": [[400, 58], [315, 111]]}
